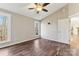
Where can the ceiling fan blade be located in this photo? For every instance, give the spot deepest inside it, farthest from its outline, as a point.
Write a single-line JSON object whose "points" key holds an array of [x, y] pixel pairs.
{"points": [[45, 10], [31, 8], [35, 3], [37, 12], [45, 4]]}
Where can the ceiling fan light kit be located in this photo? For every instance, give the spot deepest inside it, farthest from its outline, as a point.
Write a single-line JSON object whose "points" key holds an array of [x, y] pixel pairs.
{"points": [[40, 7]]}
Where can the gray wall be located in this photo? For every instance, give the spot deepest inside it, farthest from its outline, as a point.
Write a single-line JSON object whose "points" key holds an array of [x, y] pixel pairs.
{"points": [[51, 32], [22, 29]]}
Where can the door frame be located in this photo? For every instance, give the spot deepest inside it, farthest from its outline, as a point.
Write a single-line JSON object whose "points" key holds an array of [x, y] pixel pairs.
{"points": [[70, 16]]}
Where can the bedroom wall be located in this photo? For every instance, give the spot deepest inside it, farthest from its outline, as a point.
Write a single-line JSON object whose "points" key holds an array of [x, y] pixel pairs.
{"points": [[22, 29], [50, 31]]}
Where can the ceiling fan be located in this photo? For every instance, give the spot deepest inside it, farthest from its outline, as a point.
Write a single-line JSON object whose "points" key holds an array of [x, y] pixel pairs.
{"points": [[40, 7]]}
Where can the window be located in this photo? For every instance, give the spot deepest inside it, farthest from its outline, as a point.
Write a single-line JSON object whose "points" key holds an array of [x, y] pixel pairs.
{"points": [[5, 27], [37, 28]]}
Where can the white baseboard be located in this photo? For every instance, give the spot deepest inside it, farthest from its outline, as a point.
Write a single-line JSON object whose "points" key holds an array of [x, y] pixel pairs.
{"points": [[56, 40], [13, 43]]}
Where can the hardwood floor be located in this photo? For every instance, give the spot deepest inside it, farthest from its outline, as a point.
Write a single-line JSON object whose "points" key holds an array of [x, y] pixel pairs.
{"points": [[74, 41], [74, 44], [38, 47]]}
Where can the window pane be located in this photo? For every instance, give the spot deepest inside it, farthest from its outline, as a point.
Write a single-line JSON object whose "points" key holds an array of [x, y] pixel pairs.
{"points": [[1, 19], [3, 28]]}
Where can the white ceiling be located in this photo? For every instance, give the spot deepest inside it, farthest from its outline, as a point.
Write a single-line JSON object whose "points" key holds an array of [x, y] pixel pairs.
{"points": [[22, 8]]}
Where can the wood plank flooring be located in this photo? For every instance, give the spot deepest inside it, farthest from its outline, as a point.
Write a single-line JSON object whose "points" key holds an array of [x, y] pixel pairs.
{"points": [[37, 47], [74, 41], [74, 44]]}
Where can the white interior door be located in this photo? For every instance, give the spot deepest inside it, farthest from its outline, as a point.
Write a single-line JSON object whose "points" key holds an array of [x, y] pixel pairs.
{"points": [[63, 30]]}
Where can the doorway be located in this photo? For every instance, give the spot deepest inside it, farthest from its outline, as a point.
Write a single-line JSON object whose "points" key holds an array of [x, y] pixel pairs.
{"points": [[74, 31]]}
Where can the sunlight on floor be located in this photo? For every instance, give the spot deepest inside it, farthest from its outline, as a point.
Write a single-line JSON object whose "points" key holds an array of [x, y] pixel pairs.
{"points": [[74, 44], [74, 41]]}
